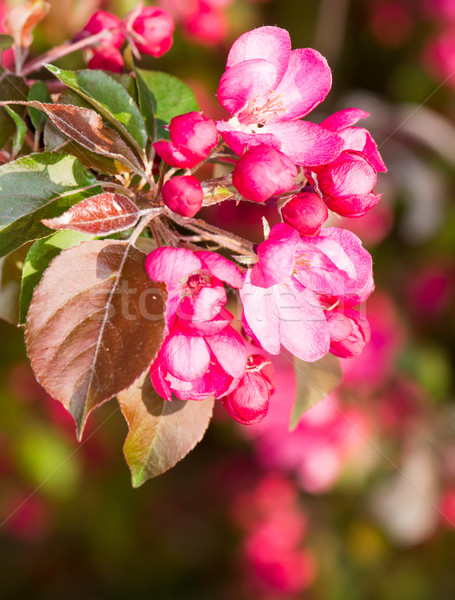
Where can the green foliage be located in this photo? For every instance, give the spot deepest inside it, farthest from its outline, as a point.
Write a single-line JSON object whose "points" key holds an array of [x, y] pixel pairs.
{"points": [[35, 187], [162, 97]]}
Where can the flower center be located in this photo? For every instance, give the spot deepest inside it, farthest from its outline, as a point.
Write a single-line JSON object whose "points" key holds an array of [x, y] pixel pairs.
{"points": [[259, 111], [195, 283]]}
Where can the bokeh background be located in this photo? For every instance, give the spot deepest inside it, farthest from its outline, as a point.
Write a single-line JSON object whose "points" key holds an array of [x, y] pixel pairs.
{"points": [[358, 503]]}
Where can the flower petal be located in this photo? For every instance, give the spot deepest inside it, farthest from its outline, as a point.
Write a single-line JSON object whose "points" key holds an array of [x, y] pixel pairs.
{"points": [[229, 350], [185, 356], [306, 143], [276, 256], [245, 81], [171, 265], [306, 83], [344, 118], [270, 43], [222, 268], [303, 326], [240, 140]]}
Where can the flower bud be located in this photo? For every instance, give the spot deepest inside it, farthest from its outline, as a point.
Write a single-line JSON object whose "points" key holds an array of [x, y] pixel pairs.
{"points": [[263, 172], [306, 212], [183, 195], [249, 402], [192, 138], [154, 28], [103, 21], [107, 59]]}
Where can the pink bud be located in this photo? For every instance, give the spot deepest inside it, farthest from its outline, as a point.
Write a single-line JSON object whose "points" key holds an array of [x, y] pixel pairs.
{"points": [[306, 212], [103, 21], [192, 138], [249, 402], [263, 172], [194, 131], [154, 28], [183, 195], [107, 59]]}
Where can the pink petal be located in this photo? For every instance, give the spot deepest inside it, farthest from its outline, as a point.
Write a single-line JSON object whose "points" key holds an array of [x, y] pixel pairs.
{"points": [[269, 43], [171, 265], [240, 140], [344, 118], [249, 402], [353, 206], [174, 156], [206, 328], [349, 332], [276, 256], [302, 323], [306, 83], [229, 350], [205, 306], [160, 385], [245, 81], [222, 268], [185, 356], [306, 143]]}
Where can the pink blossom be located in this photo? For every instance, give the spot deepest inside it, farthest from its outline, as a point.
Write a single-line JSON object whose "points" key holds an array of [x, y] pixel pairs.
{"points": [[441, 8], [195, 367], [306, 212], [193, 136], [328, 435], [207, 24], [249, 402], [152, 30], [277, 308], [268, 88], [104, 21], [183, 195], [439, 56], [294, 279], [347, 182], [263, 172], [196, 295], [107, 58]]}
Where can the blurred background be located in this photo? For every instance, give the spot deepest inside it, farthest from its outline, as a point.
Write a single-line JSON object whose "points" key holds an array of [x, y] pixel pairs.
{"points": [[358, 503]]}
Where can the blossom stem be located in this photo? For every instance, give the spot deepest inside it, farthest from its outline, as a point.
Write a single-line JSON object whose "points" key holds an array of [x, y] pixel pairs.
{"points": [[59, 51]]}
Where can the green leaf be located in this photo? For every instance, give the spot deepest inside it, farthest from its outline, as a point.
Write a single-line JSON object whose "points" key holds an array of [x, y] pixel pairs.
{"points": [[10, 276], [6, 41], [160, 432], [11, 88], [38, 259], [35, 187], [314, 381], [39, 92], [111, 99], [21, 130], [161, 98]]}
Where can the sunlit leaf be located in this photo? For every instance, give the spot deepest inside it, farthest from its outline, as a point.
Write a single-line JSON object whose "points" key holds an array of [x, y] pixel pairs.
{"points": [[314, 381], [103, 214], [160, 432], [36, 187]]}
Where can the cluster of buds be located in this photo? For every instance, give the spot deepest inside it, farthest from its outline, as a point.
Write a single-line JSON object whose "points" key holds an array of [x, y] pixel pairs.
{"points": [[301, 287], [148, 30]]}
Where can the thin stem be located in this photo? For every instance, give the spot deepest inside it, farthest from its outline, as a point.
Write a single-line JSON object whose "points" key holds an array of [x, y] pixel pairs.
{"points": [[59, 51], [214, 151]]}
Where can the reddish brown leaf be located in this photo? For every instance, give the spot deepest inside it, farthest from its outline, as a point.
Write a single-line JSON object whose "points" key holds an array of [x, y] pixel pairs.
{"points": [[85, 126], [20, 21], [102, 214], [160, 432], [94, 325]]}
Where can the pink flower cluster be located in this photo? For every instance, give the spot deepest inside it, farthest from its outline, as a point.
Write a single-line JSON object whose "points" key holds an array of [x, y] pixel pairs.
{"points": [[148, 30], [304, 282]]}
